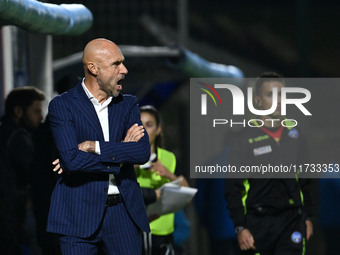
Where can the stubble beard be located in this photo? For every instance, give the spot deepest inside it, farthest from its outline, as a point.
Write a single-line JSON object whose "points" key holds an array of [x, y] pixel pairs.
{"points": [[106, 89]]}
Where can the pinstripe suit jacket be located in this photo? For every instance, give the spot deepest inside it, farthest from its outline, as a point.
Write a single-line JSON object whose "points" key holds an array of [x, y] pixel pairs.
{"points": [[78, 200]]}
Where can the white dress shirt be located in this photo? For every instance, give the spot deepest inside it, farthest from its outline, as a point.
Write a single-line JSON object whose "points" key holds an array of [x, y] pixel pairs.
{"points": [[103, 116]]}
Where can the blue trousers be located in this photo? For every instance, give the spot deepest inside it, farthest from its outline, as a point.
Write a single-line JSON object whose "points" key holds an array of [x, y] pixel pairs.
{"points": [[117, 235]]}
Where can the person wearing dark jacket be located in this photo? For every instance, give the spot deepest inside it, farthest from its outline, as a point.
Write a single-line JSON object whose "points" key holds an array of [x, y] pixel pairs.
{"points": [[23, 114], [271, 215]]}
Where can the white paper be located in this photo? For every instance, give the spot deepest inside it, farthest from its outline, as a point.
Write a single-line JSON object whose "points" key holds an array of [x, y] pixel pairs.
{"points": [[173, 198]]}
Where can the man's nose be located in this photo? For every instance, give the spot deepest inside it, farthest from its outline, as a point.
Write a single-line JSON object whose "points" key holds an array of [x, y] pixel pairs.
{"points": [[123, 69]]}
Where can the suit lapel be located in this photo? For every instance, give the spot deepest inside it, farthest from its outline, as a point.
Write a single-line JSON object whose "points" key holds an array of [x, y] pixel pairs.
{"points": [[114, 113], [86, 109], [112, 120]]}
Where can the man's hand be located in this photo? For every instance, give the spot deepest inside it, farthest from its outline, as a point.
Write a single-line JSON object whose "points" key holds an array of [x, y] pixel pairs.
{"points": [[57, 166], [134, 134], [245, 240], [309, 229], [87, 146]]}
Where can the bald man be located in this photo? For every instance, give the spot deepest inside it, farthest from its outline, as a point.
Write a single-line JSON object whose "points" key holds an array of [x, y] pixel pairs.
{"points": [[97, 203]]}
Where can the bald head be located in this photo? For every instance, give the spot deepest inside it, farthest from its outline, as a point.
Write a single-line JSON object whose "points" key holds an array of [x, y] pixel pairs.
{"points": [[97, 49]]}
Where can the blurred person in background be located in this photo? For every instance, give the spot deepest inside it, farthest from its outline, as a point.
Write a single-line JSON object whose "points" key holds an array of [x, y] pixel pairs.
{"points": [[151, 176], [43, 179], [271, 215], [23, 114]]}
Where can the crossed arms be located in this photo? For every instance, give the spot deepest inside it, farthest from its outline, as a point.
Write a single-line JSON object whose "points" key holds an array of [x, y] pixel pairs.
{"points": [[134, 134], [75, 156]]}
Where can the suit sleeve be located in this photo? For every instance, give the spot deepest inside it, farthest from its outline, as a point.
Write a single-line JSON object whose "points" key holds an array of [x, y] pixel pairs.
{"points": [[64, 132], [130, 152]]}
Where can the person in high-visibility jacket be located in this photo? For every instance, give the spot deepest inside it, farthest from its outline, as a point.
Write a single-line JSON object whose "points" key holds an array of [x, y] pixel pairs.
{"points": [[159, 170]]}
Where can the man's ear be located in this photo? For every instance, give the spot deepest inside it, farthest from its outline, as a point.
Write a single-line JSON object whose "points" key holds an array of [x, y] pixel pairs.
{"points": [[92, 68], [18, 112]]}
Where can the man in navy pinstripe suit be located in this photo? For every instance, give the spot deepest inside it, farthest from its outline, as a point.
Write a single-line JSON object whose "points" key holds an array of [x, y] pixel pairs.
{"points": [[97, 201]]}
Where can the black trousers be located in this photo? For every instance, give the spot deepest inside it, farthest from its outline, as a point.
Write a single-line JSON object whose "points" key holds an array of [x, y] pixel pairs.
{"points": [[279, 233]]}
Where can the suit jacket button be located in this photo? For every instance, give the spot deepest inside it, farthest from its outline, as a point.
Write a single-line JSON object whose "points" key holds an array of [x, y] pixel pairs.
{"points": [[113, 158], [108, 167]]}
